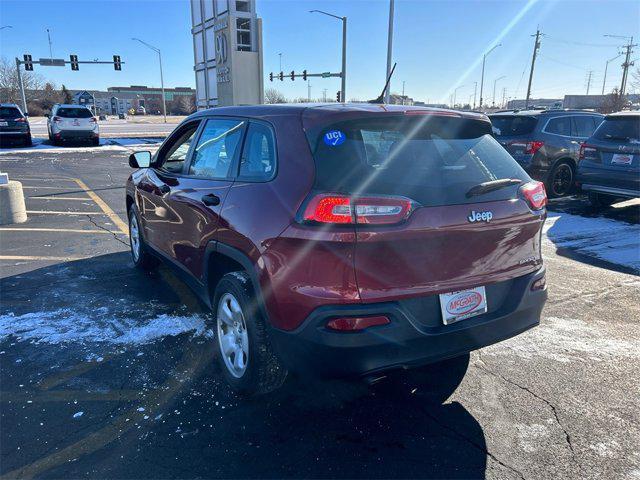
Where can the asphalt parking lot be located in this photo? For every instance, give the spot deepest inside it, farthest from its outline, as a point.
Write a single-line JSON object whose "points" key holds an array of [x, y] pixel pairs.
{"points": [[107, 372]]}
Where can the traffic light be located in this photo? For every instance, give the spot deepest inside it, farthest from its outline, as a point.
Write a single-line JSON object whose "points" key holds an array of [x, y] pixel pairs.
{"points": [[271, 77], [28, 64], [74, 62], [304, 75], [293, 75], [338, 96], [281, 76], [116, 62]]}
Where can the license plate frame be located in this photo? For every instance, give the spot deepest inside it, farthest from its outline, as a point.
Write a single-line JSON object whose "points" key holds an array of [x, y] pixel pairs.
{"points": [[622, 159], [463, 304], [4, 124]]}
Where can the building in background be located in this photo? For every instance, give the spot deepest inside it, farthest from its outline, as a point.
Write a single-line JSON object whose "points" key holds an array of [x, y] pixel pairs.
{"points": [[227, 49], [117, 100]]}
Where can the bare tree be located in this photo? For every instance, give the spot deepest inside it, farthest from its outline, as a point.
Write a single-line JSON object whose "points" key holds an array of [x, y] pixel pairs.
{"points": [[66, 95], [10, 87], [612, 102], [271, 95]]}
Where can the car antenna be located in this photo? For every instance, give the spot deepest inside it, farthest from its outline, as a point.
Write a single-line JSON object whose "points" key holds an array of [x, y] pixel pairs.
{"points": [[380, 99]]}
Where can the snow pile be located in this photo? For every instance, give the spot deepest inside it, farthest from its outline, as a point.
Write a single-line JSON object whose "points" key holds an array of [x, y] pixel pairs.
{"points": [[611, 240], [106, 144], [66, 326]]}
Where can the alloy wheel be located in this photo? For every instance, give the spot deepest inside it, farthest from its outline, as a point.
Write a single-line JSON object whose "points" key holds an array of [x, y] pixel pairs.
{"points": [[562, 180], [232, 335], [134, 237]]}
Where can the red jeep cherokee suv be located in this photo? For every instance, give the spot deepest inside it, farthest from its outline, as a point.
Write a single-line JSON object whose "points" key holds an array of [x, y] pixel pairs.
{"points": [[349, 239]]}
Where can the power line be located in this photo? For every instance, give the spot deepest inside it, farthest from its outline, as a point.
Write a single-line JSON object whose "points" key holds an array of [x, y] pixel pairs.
{"points": [[564, 63], [582, 44]]}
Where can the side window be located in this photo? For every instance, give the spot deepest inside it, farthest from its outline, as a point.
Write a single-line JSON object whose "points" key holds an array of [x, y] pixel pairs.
{"points": [[172, 159], [559, 126], [259, 156], [583, 125], [216, 148]]}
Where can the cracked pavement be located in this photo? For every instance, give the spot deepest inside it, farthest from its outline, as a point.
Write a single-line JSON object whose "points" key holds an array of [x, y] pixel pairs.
{"points": [[560, 401]]}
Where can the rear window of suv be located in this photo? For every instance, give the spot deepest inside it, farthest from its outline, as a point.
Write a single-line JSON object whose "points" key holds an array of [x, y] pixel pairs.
{"points": [[512, 125], [433, 160], [10, 113], [74, 113], [619, 128]]}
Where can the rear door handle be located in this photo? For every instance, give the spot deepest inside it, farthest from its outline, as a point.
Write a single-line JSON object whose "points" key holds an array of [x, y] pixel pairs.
{"points": [[211, 200]]}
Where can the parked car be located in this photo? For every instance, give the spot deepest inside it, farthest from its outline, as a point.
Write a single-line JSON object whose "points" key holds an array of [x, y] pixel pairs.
{"points": [[72, 123], [546, 143], [343, 239], [609, 167], [14, 125]]}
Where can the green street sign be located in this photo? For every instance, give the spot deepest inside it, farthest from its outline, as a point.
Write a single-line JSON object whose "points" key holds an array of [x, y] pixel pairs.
{"points": [[326, 74]]}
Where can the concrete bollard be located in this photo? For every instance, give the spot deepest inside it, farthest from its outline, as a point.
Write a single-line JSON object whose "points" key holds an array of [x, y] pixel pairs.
{"points": [[12, 208]]}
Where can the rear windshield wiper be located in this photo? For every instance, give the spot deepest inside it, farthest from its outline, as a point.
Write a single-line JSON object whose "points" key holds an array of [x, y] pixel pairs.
{"points": [[616, 137], [485, 187]]}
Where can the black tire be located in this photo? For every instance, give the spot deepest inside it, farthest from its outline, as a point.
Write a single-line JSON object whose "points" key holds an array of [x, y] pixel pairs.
{"points": [[435, 382], [27, 141], [96, 142], [263, 372], [601, 200], [142, 259], [561, 180]]}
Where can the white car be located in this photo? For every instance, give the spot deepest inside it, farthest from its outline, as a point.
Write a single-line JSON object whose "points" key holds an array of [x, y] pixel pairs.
{"points": [[72, 122]]}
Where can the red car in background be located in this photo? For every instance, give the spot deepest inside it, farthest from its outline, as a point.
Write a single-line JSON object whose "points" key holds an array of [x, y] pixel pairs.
{"points": [[344, 239]]}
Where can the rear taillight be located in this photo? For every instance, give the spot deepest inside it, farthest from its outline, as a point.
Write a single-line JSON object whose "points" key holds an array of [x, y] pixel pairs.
{"points": [[529, 147], [57, 119], [343, 209], [21, 120], [534, 194], [352, 324], [588, 152], [92, 120]]}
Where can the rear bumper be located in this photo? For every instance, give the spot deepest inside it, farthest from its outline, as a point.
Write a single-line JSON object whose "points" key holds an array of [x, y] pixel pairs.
{"points": [[6, 134], [76, 134], [602, 180], [406, 341]]}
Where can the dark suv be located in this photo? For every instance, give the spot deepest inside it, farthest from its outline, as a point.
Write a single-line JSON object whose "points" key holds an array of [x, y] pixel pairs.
{"points": [[14, 125], [348, 239], [609, 166], [546, 143]]}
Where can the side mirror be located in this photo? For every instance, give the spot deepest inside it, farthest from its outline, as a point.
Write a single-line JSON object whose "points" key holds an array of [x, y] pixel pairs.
{"points": [[140, 159], [47, 115]]}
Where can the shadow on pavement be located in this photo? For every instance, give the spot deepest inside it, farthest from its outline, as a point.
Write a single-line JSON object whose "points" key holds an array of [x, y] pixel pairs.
{"points": [[107, 373]]}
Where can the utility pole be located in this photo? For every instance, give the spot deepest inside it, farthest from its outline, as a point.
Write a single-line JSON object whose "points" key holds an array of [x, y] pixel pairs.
{"points": [[493, 99], [343, 73], [536, 47], [484, 58], [309, 90], [157, 50], [475, 90], [403, 82], [280, 56], [504, 95], [324, 95], [589, 80], [389, 50], [606, 67], [625, 66]]}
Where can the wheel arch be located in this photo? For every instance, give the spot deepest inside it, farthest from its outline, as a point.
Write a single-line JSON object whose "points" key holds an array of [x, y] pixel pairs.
{"points": [[221, 259]]}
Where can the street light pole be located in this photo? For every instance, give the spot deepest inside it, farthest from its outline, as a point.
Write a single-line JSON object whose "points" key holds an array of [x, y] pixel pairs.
{"points": [[343, 74], [484, 58], [606, 66], [157, 50], [455, 91], [493, 101], [389, 50], [475, 91]]}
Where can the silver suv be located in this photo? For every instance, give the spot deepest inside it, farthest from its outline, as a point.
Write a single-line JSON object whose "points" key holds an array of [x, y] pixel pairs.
{"points": [[72, 122]]}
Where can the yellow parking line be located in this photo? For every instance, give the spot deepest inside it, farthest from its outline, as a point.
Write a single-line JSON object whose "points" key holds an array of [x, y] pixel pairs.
{"points": [[105, 208], [61, 230], [56, 212], [31, 257], [79, 199]]}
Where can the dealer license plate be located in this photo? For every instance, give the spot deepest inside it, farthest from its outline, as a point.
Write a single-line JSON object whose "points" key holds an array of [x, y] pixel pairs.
{"points": [[456, 306], [621, 159]]}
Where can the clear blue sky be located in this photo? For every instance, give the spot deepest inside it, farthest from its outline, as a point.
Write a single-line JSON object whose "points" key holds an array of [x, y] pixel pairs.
{"points": [[438, 44]]}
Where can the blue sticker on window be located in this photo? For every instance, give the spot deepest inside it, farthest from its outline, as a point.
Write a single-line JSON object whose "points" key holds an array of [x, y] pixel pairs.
{"points": [[334, 138]]}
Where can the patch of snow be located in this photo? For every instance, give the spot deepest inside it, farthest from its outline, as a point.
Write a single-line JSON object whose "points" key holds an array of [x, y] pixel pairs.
{"points": [[78, 414], [66, 326], [611, 240], [568, 339], [106, 144]]}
